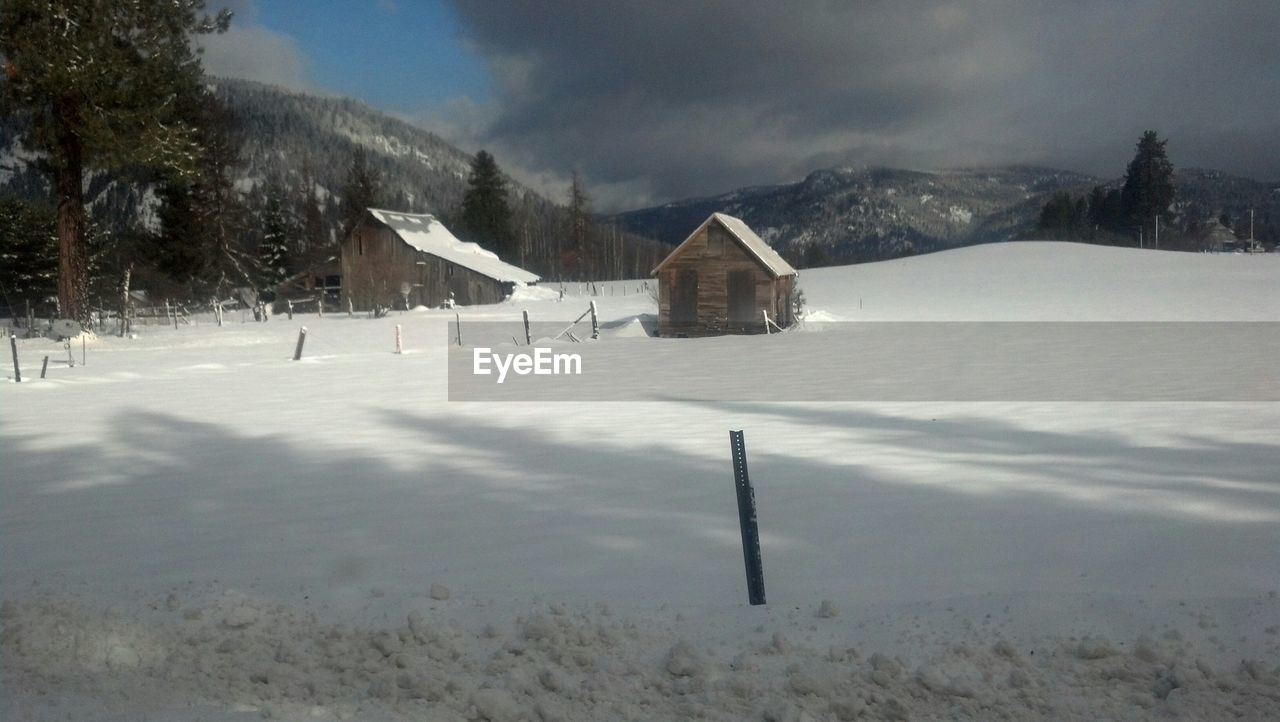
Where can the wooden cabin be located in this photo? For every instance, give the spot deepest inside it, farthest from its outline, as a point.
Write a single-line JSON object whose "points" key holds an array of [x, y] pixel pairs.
{"points": [[722, 279], [395, 259]]}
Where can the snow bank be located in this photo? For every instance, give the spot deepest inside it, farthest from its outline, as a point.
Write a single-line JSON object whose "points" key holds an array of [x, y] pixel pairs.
{"points": [[1049, 281], [245, 655]]}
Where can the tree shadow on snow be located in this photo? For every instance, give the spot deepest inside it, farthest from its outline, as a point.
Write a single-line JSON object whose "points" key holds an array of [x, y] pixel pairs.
{"points": [[504, 511]]}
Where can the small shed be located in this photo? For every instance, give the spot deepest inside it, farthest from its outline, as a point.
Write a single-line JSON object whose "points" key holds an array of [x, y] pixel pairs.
{"points": [[722, 279], [393, 258], [1220, 239]]}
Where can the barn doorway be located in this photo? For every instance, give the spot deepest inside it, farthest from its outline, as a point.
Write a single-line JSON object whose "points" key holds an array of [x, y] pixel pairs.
{"points": [[684, 297], [742, 296]]}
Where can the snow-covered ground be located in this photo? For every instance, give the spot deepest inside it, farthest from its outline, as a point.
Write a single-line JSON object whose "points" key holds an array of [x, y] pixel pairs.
{"points": [[193, 526]]}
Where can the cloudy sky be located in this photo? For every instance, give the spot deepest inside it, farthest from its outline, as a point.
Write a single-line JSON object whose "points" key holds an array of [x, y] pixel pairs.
{"points": [[657, 100]]}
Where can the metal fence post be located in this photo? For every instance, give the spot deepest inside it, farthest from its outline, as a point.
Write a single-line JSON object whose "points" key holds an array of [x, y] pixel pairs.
{"points": [[747, 519]]}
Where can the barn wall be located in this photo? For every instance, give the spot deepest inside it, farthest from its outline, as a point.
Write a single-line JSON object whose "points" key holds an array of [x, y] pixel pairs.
{"points": [[375, 262], [714, 253]]}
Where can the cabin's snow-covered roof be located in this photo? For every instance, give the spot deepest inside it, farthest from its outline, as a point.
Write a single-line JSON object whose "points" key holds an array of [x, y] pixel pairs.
{"points": [[426, 233], [755, 245], [1220, 233]]}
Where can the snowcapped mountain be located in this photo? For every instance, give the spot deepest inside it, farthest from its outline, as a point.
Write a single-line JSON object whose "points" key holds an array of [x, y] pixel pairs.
{"points": [[304, 140], [295, 134], [867, 214], [861, 214]]}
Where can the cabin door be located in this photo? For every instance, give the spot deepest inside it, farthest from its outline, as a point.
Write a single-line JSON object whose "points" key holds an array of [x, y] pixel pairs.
{"points": [[684, 297], [742, 297]]}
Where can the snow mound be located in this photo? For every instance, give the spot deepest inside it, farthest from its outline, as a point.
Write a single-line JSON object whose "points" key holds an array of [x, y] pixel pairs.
{"points": [[280, 662], [525, 294]]}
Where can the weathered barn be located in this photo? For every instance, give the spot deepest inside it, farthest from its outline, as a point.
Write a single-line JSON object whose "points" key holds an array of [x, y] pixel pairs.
{"points": [[390, 258], [721, 280]]}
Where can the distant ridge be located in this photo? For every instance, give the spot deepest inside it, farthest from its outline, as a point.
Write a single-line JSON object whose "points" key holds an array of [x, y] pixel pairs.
{"points": [[858, 214]]}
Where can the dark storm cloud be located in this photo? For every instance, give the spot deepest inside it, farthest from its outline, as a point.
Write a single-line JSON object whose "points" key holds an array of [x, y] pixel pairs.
{"points": [[656, 100]]}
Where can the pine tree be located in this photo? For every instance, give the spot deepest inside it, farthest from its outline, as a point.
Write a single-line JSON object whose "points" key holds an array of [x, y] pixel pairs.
{"points": [[486, 216], [279, 229], [815, 256], [1148, 184], [101, 82], [28, 253], [362, 191], [203, 219]]}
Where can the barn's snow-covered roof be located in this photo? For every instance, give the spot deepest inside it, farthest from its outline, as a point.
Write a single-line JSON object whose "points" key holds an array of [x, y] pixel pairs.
{"points": [[426, 233], [755, 245]]}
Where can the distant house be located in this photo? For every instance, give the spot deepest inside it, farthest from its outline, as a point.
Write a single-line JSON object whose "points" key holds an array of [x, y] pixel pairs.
{"points": [[722, 279], [1221, 239], [391, 258]]}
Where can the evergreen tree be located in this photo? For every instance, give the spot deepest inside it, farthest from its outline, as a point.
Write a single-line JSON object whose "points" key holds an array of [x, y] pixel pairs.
{"points": [[28, 253], [486, 216], [313, 231], [1148, 184], [815, 256], [1062, 217], [362, 191], [99, 81], [279, 229], [203, 219]]}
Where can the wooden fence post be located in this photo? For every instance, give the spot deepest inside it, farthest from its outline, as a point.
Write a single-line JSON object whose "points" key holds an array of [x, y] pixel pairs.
{"points": [[44, 366], [595, 322], [13, 345], [457, 319], [302, 338], [747, 519], [528, 341], [399, 346], [288, 304], [766, 321]]}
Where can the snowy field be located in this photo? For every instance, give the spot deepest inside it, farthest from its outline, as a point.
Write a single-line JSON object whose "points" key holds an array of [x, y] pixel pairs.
{"points": [[195, 527]]}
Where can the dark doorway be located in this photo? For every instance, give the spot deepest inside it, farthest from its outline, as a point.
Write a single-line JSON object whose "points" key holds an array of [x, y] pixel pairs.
{"points": [[684, 297], [742, 296], [458, 287]]}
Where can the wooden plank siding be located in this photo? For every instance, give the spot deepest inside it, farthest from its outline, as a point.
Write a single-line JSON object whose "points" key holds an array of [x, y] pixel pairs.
{"points": [[715, 255], [376, 262]]}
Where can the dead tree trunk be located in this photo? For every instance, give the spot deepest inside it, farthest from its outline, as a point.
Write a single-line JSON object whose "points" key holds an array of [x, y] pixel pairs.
{"points": [[124, 300]]}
